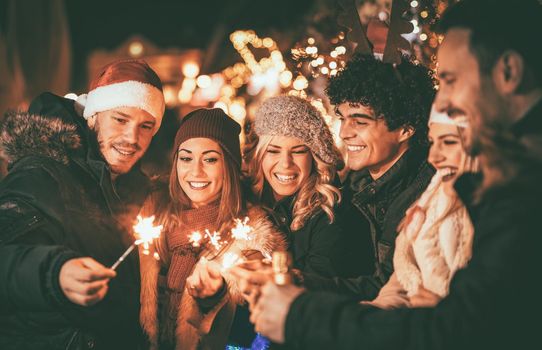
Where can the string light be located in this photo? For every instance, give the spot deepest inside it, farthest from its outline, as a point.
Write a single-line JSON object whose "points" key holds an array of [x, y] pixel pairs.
{"points": [[136, 49], [190, 69], [204, 81]]}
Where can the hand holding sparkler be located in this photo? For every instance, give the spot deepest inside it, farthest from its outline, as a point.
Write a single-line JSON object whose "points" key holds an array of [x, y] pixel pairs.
{"points": [[251, 275], [146, 232], [84, 280], [206, 279]]}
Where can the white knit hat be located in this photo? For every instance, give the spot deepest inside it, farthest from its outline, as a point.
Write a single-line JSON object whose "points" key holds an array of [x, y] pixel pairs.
{"points": [[125, 83], [444, 118]]}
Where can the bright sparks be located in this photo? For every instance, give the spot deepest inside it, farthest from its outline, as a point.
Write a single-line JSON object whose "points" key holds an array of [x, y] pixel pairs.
{"points": [[145, 232], [229, 260], [195, 238], [241, 230]]}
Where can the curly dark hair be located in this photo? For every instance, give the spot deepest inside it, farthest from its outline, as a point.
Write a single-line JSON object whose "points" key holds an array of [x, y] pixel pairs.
{"points": [[400, 94]]}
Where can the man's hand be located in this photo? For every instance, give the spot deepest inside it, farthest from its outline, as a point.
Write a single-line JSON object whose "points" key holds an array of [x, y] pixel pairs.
{"points": [[206, 280], [84, 280], [270, 312]]}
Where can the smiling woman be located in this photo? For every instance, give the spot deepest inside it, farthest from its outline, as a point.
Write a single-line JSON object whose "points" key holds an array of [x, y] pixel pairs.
{"points": [[292, 166], [203, 200], [435, 238], [200, 170]]}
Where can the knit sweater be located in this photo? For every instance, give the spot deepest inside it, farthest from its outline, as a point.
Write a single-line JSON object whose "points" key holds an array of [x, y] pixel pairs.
{"points": [[188, 325]]}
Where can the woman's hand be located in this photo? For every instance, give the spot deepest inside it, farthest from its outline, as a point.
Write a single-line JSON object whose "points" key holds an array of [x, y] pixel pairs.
{"points": [[251, 275], [206, 279], [424, 298]]}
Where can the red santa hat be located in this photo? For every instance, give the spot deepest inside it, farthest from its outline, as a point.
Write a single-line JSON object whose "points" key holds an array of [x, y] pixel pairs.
{"points": [[125, 83]]}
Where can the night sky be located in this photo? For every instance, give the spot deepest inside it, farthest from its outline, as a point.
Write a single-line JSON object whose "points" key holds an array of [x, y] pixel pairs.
{"points": [[106, 24]]}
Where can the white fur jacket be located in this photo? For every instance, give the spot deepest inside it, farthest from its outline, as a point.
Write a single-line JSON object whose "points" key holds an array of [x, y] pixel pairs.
{"points": [[195, 328], [434, 243]]}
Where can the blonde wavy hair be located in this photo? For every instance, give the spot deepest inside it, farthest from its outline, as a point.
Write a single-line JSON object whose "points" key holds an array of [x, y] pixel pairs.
{"points": [[316, 192]]}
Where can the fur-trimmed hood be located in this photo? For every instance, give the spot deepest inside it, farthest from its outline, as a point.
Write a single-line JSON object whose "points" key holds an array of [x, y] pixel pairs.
{"points": [[193, 325], [24, 134]]}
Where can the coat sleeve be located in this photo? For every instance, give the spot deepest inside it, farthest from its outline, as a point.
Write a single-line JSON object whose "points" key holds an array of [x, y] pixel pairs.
{"points": [[361, 275], [31, 251], [485, 308], [329, 249]]}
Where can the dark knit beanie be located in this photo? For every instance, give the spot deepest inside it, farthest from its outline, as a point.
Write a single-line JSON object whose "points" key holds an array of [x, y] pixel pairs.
{"points": [[213, 124]]}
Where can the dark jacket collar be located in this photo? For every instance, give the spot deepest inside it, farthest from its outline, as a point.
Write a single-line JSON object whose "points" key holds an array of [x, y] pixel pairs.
{"points": [[401, 174]]}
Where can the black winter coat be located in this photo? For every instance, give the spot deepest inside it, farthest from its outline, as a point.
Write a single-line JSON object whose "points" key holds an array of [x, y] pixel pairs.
{"points": [[494, 302], [376, 208], [324, 248], [56, 203]]}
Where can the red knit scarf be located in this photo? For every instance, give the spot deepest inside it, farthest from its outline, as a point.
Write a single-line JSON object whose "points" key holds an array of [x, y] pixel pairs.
{"points": [[183, 255], [183, 258]]}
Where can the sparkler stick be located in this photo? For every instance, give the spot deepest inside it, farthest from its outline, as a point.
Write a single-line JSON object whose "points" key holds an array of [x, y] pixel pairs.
{"points": [[146, 232]]}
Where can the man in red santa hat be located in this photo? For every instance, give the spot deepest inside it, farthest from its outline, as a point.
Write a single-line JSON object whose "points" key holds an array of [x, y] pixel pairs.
{"points": [[66, 209]]}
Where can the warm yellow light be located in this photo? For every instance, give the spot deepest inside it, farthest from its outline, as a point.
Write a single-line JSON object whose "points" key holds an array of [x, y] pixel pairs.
{"points": [[184, 96], [228, 91], [285, 78], [423, 37], [237, 82], [341, 50], [190, 69], [136, 49], [334, 54], [204, 81], [324, 70], [223, 106], [267, 42], [189, 84], [237, 111], [310, 41], [424, 14], [311, 50], [276, 56], [170, 95], [300, 83]]}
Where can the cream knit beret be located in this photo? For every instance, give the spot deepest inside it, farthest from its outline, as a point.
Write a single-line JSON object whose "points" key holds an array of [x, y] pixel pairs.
{"points": [[295, 117]]}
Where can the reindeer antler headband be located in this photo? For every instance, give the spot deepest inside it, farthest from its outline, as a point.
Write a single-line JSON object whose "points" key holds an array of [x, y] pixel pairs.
{"points": [[349, 18]]}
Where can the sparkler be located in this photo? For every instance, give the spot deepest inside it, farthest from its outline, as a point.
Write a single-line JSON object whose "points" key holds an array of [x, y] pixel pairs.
{"points": [[214, 239], [241, 231], [229, 260], [146, 232], [195, 238]]}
